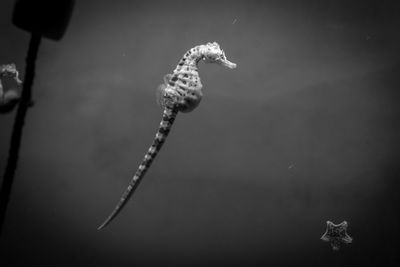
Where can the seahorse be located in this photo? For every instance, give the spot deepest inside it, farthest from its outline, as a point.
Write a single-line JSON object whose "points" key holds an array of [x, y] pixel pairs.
{"points": [[180, 92], [10, 96]]}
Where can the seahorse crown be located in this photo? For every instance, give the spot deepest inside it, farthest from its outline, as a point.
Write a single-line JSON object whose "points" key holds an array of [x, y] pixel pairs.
{"points": [[213, 53]]}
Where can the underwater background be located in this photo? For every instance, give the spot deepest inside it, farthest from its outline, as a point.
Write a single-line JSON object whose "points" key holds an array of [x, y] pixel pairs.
{"points": [[305, 130]]}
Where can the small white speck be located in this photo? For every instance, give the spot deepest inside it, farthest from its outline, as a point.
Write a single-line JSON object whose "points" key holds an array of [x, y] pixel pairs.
{"points": [[234, 21], [291, 166]]}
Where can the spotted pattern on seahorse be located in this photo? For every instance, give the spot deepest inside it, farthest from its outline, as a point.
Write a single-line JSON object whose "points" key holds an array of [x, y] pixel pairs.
{"points": [[180, 92]]}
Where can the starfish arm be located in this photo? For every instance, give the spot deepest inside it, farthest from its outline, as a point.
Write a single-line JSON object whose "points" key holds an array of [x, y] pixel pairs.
{"points": [[347, 239], [325, 237], [335, 246]]}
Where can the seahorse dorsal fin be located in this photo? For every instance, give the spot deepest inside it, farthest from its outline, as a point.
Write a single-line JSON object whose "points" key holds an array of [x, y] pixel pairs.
{"points": [[160, 94]]}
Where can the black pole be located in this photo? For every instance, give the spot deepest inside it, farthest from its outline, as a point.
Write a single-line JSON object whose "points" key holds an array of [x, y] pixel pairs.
{"points": [[25, 101]]}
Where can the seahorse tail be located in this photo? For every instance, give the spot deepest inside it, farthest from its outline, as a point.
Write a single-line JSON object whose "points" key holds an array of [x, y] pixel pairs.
{"points": [[168, 119]]}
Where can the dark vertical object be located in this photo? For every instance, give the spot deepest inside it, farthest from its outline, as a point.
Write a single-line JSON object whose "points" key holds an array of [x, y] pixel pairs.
{"points": [[18, 125], [48, 18]]}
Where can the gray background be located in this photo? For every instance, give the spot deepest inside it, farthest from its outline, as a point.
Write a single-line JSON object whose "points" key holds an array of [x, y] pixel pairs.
{"points": [[304, 130]]}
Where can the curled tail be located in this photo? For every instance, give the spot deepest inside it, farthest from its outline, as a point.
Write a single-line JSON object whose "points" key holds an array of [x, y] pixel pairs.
{"points": [[169, 116]]}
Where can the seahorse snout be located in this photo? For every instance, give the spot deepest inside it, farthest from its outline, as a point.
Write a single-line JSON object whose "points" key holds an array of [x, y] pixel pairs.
{"points": [[227, 63]]}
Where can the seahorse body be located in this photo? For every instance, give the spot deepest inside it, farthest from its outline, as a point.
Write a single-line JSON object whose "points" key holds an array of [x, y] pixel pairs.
{"points": [[180, 92]]}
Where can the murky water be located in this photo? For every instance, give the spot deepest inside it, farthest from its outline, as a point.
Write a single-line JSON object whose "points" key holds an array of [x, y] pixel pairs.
{"points": [[305, 130]]}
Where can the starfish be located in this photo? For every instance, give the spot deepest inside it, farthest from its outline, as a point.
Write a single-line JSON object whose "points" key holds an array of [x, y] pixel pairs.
{"points": [[336, 234]]}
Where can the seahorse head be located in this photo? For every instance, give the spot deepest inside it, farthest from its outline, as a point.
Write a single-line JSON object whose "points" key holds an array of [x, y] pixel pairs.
{"points": [[212, 53]]}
